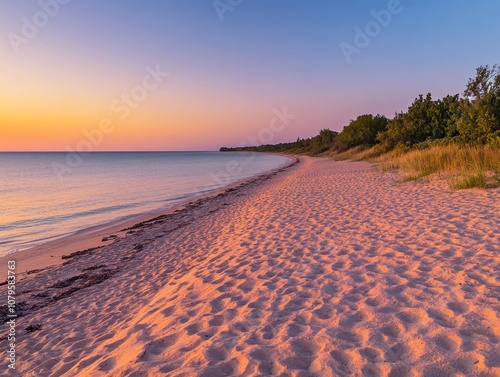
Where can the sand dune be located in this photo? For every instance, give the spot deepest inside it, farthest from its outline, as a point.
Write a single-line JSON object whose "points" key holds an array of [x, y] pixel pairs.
{"points": [[327, 269]]}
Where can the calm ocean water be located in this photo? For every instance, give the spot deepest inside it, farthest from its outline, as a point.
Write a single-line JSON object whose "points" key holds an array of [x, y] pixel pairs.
{"points": [[44, 196]]}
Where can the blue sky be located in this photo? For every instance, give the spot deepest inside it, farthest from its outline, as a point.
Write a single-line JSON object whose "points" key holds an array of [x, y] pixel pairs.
{"points": [[227, 76]]}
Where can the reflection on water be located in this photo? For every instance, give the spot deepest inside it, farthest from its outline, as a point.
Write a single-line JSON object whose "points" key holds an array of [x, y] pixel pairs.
{"points": [[37, 205]]}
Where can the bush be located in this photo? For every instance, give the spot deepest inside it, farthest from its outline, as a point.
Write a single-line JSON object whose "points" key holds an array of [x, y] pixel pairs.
{"points": [[363, 131], [425, 120]]}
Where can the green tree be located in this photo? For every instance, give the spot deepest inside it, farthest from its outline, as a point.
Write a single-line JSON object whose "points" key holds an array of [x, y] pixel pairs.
{"points": [[363, 131], [481, 110], [425, 119], [451, 112], [486, 82], [323, 141]]}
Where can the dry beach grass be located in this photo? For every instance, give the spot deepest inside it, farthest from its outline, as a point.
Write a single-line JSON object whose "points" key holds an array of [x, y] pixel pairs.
{"points": [[461, 166]]}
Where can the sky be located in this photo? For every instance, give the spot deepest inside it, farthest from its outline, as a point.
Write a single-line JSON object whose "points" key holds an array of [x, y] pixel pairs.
{"points": [[102, 75]]}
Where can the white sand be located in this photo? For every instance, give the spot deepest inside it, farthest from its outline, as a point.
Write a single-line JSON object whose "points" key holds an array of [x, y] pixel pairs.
{"points": [[327, 269]]}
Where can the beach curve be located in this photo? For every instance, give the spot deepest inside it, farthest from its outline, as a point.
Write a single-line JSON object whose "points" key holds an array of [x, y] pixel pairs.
{"points": [[327, 269]]}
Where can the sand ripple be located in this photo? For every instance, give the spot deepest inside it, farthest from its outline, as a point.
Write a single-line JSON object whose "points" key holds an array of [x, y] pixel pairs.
{"points": [[329, 269]]}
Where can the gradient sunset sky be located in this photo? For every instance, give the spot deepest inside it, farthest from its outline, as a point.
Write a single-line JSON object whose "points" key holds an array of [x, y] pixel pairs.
{"points": [[225, 76]]}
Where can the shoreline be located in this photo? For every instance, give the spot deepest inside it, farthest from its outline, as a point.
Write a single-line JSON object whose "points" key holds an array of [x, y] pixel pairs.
{"points": [[49, 254], [326, 269]]}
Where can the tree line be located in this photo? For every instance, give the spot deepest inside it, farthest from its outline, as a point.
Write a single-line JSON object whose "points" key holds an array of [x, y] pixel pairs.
{"points": [[470, 119]]}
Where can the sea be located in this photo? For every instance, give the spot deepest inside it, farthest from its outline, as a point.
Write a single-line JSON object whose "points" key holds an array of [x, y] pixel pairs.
{"points": [[45, 196]]}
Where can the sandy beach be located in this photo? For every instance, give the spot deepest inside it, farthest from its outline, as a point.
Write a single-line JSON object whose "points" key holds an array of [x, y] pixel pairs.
{"points": [[323, 269]]}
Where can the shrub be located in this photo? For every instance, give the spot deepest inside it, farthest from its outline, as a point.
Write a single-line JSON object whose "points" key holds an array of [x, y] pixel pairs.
{"points": [[363, 131]]}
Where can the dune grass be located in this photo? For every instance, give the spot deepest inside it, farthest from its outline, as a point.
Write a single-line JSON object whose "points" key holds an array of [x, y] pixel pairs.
{"points": [[361, 154], [463, 167]]}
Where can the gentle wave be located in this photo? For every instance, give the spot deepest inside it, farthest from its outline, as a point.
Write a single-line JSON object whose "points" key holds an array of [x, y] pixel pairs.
{"points": [[37, 206]]}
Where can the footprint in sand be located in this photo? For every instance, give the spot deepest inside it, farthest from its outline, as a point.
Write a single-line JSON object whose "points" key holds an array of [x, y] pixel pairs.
{"points": [[170, 367], [374, 355], [347, 361], [374, 370], [469, 364], [444, 317], [271, 368], [216, 321], [169, 311], [412, 316], [193, 329], [295, 329], [393, 330], [156, 348], [459, 307], [216, 354], [226, 368], [356, 337], [448, 343], [107, 364]]}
